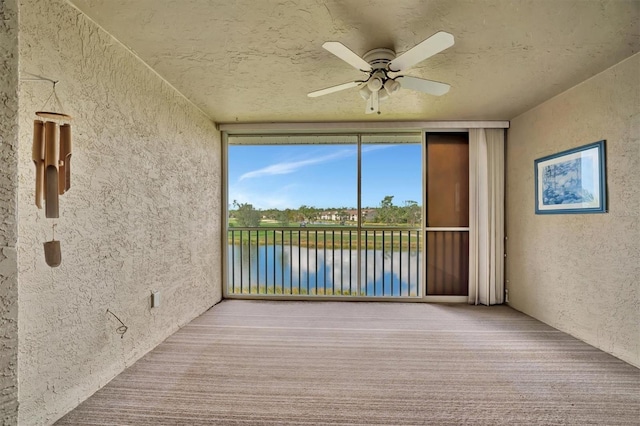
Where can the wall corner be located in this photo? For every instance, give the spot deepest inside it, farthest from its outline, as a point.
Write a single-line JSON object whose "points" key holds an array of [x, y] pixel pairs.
{"points": [[8, 212]]}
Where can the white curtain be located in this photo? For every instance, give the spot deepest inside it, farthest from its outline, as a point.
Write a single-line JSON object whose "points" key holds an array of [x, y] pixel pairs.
{"points": [[486, 216]]}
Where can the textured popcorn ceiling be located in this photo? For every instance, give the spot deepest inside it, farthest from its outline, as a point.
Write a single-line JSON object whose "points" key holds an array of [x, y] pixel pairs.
{"points": [[255, 60]]}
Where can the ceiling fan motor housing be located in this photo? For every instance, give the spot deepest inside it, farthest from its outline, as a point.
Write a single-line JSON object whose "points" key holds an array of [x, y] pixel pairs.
{"points": [[379, 58]]}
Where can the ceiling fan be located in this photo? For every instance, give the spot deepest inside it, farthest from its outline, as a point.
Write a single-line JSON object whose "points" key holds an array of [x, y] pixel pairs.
{"points": [[380, 64]]}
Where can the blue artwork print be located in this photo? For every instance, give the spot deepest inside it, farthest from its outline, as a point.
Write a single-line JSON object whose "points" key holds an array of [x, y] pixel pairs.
{"points": [[572, 181], [564, 183]]}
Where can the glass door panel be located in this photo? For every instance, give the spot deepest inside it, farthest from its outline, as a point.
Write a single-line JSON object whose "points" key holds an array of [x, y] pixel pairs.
{"points": [[391, 206]]}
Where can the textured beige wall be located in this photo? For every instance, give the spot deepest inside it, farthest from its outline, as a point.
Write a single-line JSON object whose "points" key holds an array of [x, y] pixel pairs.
{"points": [[143, 213], [8, 212], [580, 273]]}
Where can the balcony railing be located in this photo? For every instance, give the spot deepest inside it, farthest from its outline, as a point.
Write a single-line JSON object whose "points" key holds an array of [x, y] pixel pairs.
{"points": [[345, 261], [320, 261]]}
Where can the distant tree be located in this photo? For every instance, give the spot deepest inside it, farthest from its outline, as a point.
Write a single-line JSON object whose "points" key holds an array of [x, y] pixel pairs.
{"points": [[387, 213], [246, 214], [281, 217], [271, 214], [291, 215], [308, 213], [412, 212]]}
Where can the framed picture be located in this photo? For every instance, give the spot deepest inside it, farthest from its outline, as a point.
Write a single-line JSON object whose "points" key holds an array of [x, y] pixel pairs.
{"points": [[572, 181]]}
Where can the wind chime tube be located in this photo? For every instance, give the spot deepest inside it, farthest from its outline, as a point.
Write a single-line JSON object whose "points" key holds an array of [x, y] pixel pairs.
{"points": [[37, 154], [51, 160], [64, 175], [65, 146]]}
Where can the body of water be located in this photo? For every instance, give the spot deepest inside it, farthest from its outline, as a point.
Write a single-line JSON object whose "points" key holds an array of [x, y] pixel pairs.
{"points": [[292, 269]]}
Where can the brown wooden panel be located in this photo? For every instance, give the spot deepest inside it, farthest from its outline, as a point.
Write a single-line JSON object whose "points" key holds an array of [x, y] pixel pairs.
{"points": [[447, 263], [447, 171]]}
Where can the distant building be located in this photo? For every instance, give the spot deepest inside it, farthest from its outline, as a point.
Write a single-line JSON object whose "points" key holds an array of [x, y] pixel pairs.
{"points": [[350, 215]]}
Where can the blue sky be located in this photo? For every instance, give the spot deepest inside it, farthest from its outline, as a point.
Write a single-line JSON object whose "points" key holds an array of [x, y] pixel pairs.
{"points": [[323, 176]]}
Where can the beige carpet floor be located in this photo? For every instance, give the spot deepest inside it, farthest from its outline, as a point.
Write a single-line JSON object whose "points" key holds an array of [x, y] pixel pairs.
{"points": [[349, 363]]}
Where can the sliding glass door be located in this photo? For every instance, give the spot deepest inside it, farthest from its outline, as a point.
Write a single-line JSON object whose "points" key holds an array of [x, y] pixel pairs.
{"points": [[351, 215]]}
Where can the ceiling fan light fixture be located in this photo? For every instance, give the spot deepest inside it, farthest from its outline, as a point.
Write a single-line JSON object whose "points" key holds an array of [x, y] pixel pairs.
{"points": [[365, 93], [391, 86], [374, 84]]}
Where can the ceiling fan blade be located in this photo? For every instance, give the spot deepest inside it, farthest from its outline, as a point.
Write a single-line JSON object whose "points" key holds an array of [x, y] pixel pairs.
{"points": [[333, 89], [373, 103], [429, 47], [421, 85], [344, 53]]}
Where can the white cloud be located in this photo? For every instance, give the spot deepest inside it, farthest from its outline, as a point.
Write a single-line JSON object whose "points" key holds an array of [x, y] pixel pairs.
{"points": [[292, 166], [289, 167]]}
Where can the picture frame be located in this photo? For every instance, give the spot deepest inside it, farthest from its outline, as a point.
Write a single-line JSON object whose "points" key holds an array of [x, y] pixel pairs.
{"points": [[572, 181]]}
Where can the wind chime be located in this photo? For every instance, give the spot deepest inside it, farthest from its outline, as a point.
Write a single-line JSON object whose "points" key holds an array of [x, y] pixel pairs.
{"points": [[51, 155]]}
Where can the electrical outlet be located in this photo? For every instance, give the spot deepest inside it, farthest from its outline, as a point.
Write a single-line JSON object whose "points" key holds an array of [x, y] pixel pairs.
{"points": [[155, 299]]}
